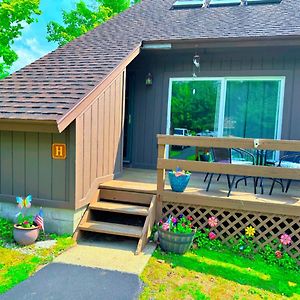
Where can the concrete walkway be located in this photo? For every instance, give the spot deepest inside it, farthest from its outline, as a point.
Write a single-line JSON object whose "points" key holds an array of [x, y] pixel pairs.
{"points": [[114, 254], [104, 268]]}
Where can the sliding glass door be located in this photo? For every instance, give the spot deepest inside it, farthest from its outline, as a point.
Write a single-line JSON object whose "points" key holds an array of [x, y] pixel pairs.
{"points": [[247, 107], [252, 108]]}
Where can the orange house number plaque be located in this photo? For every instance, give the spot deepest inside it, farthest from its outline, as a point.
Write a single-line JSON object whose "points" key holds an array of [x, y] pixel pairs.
{"points": [[59, 151]]}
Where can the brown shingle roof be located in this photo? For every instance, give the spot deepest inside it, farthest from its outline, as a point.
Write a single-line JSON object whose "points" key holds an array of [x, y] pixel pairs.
{"points": [[51, 86]]}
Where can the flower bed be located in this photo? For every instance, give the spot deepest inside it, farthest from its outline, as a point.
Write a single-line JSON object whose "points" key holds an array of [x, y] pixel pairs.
{"points": [[270, 229]]}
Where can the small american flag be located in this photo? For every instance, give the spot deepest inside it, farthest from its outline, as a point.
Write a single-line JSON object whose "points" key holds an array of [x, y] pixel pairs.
{"points": [[39, 219]]}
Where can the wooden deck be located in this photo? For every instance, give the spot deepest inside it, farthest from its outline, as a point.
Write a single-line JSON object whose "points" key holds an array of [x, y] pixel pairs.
{"points": [[242, 198]]}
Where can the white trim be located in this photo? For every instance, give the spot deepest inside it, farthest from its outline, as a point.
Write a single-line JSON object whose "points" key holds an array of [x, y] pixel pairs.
{"points": [[280, 108], [222, 107], [222, 102]]}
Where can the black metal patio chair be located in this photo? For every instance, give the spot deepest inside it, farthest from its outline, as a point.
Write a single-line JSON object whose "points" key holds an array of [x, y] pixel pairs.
{"points": [[224, 155], [288, 160]]}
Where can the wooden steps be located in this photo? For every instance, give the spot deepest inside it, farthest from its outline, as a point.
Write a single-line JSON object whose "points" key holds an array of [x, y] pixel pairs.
{"points": [[121, 208], [111, 228], [121, 213], [126, 196]]}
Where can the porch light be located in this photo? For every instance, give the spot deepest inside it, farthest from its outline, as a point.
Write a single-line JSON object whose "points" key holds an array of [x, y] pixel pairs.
{"points": [[149, 79], [196, 65]]}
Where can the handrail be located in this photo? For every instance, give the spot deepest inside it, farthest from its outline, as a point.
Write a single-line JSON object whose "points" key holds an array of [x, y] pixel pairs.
{"points": [[224, 142], [148, 225]]}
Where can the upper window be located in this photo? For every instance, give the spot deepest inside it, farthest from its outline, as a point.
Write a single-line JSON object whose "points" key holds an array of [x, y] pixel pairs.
{"points": [[199, 3]]}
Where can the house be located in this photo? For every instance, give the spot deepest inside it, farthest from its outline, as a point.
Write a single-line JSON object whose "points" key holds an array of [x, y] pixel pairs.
{"points": [[72, 119]]}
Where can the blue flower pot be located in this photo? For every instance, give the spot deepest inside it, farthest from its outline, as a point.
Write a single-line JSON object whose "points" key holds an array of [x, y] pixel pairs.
{"points": [[179, 184]]}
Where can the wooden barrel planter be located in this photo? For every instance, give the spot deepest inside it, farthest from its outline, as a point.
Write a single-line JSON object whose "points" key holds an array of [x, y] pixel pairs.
{"points": [[175, 242], [25, 236], [179, 184]]}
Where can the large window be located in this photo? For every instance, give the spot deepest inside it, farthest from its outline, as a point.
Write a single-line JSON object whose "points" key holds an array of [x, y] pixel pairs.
{"points": [[248, 107]]}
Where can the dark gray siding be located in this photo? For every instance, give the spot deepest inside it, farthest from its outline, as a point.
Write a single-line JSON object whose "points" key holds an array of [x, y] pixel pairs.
{"points": [[28, 168], [150, 103]]}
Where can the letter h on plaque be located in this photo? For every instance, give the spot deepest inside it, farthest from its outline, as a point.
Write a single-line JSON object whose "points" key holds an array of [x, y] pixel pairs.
{"points": [[59, 151]]}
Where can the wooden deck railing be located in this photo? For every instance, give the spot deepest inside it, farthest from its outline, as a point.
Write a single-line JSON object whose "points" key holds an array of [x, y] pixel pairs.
{"points": [[163, 163]]}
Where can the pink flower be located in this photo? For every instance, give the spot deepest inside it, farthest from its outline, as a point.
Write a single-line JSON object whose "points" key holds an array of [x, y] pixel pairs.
{"points": [[285, 239], [174, 220], [178, 174], [213, 221], [25, 222], [212, 235], [165, 226], [278, 254], [190, 218]]}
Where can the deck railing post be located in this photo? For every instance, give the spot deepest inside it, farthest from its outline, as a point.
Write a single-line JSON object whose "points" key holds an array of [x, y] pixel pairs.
{"points": [[161, 173]]}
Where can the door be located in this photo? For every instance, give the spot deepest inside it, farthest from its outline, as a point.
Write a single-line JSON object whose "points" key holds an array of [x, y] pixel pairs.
{"points": [[129, 92]]}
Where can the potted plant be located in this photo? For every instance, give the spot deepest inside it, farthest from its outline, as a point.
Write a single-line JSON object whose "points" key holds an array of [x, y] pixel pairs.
{"points": [[26, 229], [205, 156], [176, 234], [179, 180]]}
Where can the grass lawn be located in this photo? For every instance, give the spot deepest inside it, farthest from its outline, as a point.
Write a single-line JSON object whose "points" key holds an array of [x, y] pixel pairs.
{"points": [[207, 274], [18, 263]]}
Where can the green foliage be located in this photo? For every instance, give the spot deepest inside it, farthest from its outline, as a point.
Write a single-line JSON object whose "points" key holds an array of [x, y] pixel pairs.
{"points": [[24, 221], [83, 19], [14, 15], [115, 6], [6, 232], [287, 262], [202, 240], [244, 246], [181, 224]]}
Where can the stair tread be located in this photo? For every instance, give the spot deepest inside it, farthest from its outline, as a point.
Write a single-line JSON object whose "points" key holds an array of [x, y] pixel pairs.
{"points": [[120, 208], [112, 228], [125, 196]]}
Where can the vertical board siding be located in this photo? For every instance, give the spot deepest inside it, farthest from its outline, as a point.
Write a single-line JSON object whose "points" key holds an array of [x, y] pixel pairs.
{"points": [[18, 159], [6, 163], [28, 168], [31, 164], [150, 103], [99, 134]]}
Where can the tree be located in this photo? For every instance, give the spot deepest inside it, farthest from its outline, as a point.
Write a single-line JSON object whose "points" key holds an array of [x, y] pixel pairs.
{"points": [[83, 19], [116, 6], [14, 15]]}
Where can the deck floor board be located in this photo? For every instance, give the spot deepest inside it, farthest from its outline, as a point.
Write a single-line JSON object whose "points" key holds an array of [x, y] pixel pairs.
{"points": [[142, 180]]}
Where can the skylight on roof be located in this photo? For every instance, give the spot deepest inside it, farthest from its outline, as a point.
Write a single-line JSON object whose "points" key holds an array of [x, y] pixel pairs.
{"points": [[199, 3]]}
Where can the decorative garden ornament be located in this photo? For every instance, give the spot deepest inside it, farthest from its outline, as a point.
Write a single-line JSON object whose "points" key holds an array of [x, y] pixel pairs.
{"points": [[244, 2], [27, 227]]}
